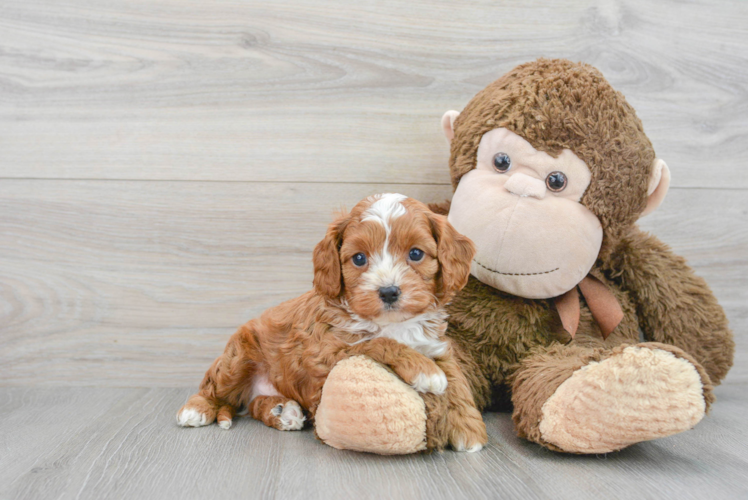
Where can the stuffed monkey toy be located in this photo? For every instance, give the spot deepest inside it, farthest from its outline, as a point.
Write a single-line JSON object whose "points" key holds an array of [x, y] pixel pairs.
{"points": [[551, 170]]}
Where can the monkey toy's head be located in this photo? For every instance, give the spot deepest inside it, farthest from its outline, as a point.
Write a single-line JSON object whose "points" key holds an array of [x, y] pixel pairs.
{"points": [[550, 166]]}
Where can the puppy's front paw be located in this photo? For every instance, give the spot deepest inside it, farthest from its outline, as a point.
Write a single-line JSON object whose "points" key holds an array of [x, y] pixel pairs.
{"points": [[290, 415], [470, 447], [468, 433], [435, 383], [468, 440]]}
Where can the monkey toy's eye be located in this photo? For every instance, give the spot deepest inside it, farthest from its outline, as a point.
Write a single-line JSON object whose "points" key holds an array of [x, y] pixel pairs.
{"points": [[359, 260], [556, 181], [501, 162], [416, 254]]}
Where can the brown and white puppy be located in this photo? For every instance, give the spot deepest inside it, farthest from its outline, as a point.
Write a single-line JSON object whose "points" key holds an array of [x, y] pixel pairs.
{"points": [[382, 276]]}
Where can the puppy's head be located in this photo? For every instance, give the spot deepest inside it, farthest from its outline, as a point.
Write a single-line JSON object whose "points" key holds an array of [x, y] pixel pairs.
{"points": [[391, 258]]}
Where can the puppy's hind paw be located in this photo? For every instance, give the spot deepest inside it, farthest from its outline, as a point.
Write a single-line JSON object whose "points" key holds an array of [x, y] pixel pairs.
{"points": [[436, 383], [197, 412], [190, 417], [290, 415]]}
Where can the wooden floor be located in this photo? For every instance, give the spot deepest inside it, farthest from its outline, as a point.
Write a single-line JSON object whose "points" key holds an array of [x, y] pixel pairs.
{"points": [[123, 443], [167, 166]]}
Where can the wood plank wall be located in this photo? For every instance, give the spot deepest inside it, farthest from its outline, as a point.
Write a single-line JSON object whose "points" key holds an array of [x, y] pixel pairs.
{"points": [[166, 166]]}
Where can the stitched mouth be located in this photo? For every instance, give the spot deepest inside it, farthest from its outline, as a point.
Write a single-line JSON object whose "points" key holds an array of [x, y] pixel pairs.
{"points": [[514, 274]]}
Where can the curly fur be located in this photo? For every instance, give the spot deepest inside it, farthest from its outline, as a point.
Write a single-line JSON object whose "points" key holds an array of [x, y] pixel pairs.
{"points": [[556, 104]]}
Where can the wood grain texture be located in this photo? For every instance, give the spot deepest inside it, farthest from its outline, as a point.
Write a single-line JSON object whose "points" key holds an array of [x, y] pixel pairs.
{"points": [[141, 283], [126, 283], [166, 167], [304, 90], [123, 443]]}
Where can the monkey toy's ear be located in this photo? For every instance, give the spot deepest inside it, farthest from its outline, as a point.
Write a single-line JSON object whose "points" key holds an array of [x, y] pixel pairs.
{"points": [[659, 182], [448, 124]]}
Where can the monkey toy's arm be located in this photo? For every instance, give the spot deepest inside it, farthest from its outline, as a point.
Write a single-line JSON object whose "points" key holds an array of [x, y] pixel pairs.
{"points": [[674, 305]]}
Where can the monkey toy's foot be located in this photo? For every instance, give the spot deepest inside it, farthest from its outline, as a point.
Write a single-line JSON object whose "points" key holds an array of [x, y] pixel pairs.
{"points": [[639, 393]]}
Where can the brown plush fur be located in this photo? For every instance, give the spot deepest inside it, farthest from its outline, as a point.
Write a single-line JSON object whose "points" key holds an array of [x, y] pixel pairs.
{"points": [[673, 305], [547, 368], [554, 105], [516, 348]]}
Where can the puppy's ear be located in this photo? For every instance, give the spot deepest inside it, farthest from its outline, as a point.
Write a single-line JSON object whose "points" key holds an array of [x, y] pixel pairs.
{"points": [[455, 254], [328, 278]]}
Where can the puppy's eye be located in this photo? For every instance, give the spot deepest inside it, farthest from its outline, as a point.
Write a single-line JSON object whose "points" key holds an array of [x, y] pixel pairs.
{"points": [[416, 254], [556, 181], [359, 260], [501, 162]]}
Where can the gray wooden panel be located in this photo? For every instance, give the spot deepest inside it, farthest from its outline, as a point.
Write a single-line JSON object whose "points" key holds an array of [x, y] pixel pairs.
{"points": [[137, 277], [114, 283], [342, 91], [126, 283], [123, 443]]}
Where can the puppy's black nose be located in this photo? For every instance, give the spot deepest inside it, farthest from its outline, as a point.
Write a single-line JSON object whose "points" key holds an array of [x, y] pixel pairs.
{"points": [[389, 294]]}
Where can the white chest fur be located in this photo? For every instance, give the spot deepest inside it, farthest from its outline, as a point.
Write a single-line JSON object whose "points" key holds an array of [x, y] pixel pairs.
{"points": [[414, 335], [420, 333]]}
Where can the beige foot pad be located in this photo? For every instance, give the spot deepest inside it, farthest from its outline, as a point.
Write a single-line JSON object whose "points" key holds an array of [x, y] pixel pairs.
{"points": [[637, 395], [366, 407]]}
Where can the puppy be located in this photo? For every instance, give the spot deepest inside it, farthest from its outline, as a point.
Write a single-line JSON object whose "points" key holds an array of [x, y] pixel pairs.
{"points": [[382, 276]]}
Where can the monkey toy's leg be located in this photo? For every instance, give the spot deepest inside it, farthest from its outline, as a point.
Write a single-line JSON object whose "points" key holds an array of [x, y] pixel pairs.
{"points": [[594, 400], [674, 305]]}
